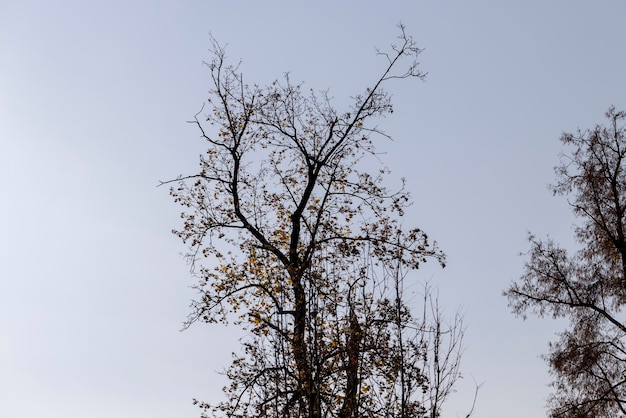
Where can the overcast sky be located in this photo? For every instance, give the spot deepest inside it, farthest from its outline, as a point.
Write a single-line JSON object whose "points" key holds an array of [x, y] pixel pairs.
{"points": [[94, 99]]}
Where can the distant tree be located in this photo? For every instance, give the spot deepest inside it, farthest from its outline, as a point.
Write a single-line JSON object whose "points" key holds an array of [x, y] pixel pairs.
{"points": [[307, 253], [588, 362]]}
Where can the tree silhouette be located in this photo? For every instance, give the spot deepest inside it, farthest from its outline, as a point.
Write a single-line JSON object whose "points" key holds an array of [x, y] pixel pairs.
{"points": [[588, 361], [304, 248]]}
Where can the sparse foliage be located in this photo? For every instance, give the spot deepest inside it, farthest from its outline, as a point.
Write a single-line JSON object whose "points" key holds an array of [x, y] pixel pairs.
{"points": [[306, 251], [588, 362]]}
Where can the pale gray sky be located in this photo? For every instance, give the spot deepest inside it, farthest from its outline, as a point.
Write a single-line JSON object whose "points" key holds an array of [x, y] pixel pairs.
{"points": [[94, 96]]}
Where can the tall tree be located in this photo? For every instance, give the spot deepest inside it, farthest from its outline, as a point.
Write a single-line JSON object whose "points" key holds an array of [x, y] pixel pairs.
{"points": [[588, 361], [306, 251]]}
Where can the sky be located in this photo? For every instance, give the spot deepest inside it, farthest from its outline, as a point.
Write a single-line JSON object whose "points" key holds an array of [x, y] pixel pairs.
{"points": [[94, 99]]}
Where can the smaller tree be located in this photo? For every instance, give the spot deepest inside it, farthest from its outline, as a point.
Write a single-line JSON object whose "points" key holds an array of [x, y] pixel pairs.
{"points": [[588, 361]]}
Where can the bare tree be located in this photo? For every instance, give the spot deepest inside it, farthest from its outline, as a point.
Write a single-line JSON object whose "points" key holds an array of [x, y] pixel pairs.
{"points": [[443, 347], [588, 361], [306, 250]]}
